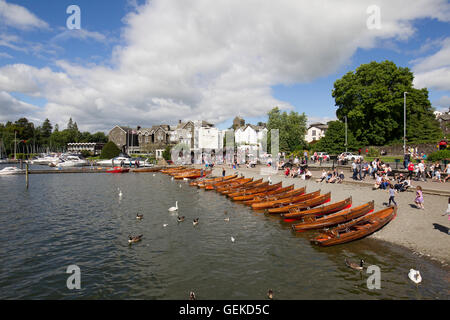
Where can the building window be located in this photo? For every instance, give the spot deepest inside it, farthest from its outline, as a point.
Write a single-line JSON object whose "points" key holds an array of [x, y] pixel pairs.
{"points": [[314, 133]]}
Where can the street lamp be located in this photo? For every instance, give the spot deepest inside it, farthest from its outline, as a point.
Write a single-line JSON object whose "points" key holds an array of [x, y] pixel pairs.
{"points": [[404, 122]]}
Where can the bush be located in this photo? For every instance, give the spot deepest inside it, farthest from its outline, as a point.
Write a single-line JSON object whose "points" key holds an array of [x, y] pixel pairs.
{"points": [[439, 155], [109, 151], [374, 152]]}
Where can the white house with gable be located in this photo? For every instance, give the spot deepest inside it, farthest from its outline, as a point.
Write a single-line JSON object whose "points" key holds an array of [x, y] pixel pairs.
{"points": [[316, 131]]}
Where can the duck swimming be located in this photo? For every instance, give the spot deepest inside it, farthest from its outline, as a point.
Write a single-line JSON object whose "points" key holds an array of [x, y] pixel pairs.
{"points": [[354, 265], [270, 294], [227, 219], [139, 216], [192, 296], [134, 239], [195, 222], [180, 219]]}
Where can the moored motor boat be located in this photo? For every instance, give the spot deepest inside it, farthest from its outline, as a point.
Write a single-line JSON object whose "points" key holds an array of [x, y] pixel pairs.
{"points": [[10, 171], [356, 229], [118, 170], [310, 222], [295, 214], [302, 205]]}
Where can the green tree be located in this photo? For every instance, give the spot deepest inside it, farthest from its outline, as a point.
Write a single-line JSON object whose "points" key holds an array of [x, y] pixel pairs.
{"points": [[167, 153], [292, 129], [334, 140], [109, 151], [372, 99], [46, 129]]}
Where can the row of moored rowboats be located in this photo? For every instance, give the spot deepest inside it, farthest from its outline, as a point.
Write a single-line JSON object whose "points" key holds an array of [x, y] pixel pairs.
{"points": [[337, 222]]}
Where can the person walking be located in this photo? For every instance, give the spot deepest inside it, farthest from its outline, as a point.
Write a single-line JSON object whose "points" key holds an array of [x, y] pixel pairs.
{"points": [[392, 193], [223, 172], [419, 198]]}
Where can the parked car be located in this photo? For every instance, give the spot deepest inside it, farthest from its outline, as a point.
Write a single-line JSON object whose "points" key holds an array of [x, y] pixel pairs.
{"points": [[350, 156], [323, 155]]}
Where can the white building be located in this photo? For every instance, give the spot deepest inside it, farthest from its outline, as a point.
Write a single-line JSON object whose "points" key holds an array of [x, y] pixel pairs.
{"points": [[250, 141], [316, 131]]}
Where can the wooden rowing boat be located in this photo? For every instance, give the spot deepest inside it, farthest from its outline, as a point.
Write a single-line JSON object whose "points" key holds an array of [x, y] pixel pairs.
{"points": [[193, 175], [302, 205], [246, 190], [252, 193], [284, 201], [237, 184], [277, 196], [295, 214], [212, 186], [356, 229], [310, 222], [201, 183], [247, 186], [144, 169], [168, 170]]}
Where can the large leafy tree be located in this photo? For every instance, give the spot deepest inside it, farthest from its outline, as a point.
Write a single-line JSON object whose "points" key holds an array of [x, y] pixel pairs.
{"points": [[334, 140], [372, 99], [292, 129]]}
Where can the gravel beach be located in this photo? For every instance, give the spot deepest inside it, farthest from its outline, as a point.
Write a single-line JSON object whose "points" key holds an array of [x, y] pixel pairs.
{"points": [[424, 231]]}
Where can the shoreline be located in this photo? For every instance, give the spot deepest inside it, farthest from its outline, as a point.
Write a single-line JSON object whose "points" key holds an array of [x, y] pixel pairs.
{"points": [[419, 230]]}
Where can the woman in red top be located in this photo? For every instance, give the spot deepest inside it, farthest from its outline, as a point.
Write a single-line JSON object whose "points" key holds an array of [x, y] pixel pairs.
{"points": [[410, 170]]}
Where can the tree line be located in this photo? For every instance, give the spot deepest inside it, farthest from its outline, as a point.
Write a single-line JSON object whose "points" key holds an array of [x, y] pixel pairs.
{"points": [[43, 138]]}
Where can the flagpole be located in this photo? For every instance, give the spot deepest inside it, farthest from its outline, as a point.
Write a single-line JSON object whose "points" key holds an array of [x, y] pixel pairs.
{"points": [[15, 142]]}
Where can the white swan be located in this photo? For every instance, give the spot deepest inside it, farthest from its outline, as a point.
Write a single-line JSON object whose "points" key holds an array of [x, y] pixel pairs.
{"points": [[165, 225], [233, 239], [174, 208], [415, 276]]}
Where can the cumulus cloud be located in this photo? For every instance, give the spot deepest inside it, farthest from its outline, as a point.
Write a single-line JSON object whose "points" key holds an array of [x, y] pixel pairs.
{"points": [[434, 71], [11, 108], [213, 59], [19, 17]]}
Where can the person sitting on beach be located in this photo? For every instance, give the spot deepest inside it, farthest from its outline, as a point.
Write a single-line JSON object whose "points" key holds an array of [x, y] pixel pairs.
{"points": [[340, 177], [332, 178], [307, 174], [323, 176], [378, 181]]}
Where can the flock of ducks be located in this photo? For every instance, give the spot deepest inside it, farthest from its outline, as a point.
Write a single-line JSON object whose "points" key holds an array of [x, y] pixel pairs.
{"points": [[413, 275]]}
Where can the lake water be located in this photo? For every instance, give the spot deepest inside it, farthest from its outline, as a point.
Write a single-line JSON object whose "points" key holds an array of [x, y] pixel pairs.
{"points": [[67, 219]]}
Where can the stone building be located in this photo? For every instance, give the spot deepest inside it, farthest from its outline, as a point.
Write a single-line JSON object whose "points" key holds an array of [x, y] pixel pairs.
{"points": [[444, 122], [125, 138]]}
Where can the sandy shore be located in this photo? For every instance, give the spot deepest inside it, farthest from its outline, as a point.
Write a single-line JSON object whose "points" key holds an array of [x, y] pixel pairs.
{"points": [[424, 231]]}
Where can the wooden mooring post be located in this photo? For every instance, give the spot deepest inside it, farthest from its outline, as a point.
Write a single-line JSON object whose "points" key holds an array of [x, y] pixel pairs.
{"points": [[26, 175]]}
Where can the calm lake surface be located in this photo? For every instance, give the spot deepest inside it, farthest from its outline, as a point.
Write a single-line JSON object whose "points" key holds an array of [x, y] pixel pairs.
{"points": [[66, 219]]}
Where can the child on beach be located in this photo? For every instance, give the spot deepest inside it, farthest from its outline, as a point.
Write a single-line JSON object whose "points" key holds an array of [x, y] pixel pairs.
{"points": [[419, 197], [392, 193]]}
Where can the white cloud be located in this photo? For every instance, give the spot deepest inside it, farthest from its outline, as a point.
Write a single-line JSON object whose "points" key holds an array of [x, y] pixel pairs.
{"points": [[19, 17], [213, 59], [443, 103], [434, 71], [12, 108]]}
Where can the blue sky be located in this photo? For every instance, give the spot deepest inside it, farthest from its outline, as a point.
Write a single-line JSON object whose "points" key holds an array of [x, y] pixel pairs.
{"points": [[65, 69]]}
